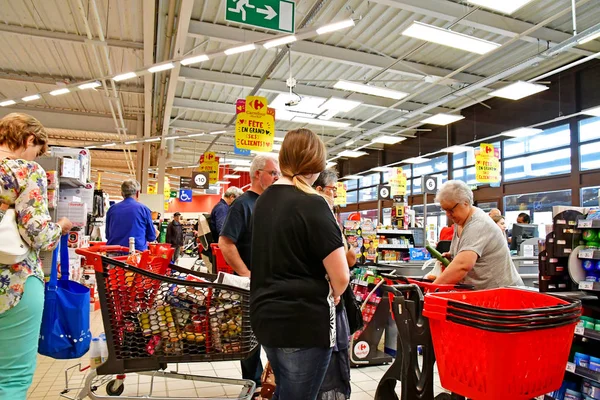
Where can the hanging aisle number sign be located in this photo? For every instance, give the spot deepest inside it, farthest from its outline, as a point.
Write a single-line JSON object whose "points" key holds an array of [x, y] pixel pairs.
{"points": [[254, 124], [487, 164], [209, 162], [397, 182]]}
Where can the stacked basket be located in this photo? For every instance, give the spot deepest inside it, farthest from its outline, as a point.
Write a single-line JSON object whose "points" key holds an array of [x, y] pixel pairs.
{"points": [[501, 343]]}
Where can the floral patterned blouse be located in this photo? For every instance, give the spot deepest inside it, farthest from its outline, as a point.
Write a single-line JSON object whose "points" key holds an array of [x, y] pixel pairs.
{"points": [[23, 185]]}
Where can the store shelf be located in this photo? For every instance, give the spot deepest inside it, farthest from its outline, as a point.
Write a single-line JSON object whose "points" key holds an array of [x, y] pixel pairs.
{"points": [[588, 223], [71, 182], [583, 372], [589, 254], [592, 286], [394, 232], [392, 247], [587, 333]]}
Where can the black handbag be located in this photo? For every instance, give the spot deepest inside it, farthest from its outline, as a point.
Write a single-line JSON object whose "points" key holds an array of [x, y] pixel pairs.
{"points": [[355, 319]]}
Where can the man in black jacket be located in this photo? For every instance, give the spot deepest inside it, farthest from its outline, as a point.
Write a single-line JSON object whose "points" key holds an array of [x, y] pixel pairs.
{"points": [[175, 236]]}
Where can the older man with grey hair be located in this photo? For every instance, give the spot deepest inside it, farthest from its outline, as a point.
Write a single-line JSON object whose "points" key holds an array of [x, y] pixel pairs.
{"points": [[219, 211], [130, 218], [235, 241], [478, 251]]}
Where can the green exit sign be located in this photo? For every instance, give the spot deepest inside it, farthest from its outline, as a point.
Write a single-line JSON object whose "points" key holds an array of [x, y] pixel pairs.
{"points": [[278, 15]]}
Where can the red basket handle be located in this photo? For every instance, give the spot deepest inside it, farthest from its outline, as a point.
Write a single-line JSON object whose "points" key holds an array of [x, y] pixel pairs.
{"points": [[93, 258]]}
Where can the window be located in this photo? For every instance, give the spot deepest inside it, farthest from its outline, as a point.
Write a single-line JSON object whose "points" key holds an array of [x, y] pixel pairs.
{"points": [[590, 196], [467, 158], [589, 156], [539, 165], [351, 184], [546, 140], [437, 164], [589, 129], [369, 180], [351, 197], [417, 183], [368, 194], [405, 169], [466, 175]]}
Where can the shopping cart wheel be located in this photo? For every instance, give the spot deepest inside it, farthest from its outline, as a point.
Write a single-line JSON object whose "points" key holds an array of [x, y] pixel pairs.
{"points": [[443, 396], [114, 388]]}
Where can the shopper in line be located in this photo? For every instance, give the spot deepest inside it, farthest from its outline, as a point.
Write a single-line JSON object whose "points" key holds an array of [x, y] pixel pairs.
{"points": [[219, 211], [130, 218], [299, 271], [501, 223], [495, 212], [24, 188], [236, 237], [479, 253], [523, 218], [336, 384], [447, 232], [175, 236]]}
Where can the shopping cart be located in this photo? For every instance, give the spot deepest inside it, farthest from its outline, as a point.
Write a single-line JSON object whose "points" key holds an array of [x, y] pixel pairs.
{"points": [[164, 314], [221, 264], [492, 344]]}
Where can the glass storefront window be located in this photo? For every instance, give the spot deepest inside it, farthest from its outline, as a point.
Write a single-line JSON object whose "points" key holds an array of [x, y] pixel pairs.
{"points": [[351, 184], [351, 197], [539, 165], [437, 164], [466, 175], [589, 156], [589, 129], [417, 183], [369, 180], [405, 169], [590, 196], [368, 194], [549, 139]]}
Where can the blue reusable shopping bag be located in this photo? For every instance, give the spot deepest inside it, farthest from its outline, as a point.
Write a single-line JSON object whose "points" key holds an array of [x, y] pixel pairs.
{"points": [[65, 329]]}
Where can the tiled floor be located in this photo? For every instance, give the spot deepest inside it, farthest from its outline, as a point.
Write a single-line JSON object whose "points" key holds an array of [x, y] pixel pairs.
{"points": [[49, 378]]}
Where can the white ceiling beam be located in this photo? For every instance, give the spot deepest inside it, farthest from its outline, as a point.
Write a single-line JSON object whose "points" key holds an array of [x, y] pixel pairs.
{"points": [[487, 21], [67, 37], [355, 58], [240, 81], [80, 121]]}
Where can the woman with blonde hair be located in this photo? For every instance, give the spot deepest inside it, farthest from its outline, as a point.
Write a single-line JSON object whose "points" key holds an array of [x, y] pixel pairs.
{"points": [[299, 270], [23, 187]]}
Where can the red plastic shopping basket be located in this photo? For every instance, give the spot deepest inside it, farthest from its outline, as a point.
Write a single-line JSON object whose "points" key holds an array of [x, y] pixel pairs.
{"points": [[220, 260], [483, 364]]}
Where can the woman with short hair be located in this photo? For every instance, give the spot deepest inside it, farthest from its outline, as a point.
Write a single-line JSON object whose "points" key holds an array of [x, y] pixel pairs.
{"points": [[299, 270], [23, 186], [479, 253]]}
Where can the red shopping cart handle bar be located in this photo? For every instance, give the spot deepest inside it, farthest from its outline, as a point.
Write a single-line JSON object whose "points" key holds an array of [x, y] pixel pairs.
{"points": [[426, 284]]}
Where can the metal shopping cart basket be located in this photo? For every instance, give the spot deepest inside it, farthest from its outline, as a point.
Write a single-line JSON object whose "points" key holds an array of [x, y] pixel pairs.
{"points": [[490, 344], [162, 314]]}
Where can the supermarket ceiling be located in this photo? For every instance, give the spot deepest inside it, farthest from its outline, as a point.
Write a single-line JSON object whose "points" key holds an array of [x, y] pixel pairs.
{"points": [[387, 71]]}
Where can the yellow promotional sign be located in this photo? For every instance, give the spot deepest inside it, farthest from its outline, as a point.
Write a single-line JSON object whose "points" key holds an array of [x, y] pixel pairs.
{"points": [[209, 162], [487, 164], [340, 200], [398, 182], [255, 125], [152, 189]]}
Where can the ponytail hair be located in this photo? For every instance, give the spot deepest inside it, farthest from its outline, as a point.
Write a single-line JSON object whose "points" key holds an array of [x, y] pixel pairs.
{"points": [[302, 153]]}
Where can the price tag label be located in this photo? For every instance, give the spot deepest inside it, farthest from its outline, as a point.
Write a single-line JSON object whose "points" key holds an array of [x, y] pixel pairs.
{"points": [[579, 330], [587, 253], [586, 285], [585, 223], [570, 367]]}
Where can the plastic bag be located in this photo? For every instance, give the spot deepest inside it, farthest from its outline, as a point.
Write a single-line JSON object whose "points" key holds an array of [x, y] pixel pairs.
{"points": [[435, 272]]}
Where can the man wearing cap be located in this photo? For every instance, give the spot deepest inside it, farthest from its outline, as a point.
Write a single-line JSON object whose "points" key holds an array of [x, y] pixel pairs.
{"points": [[175, 236]]}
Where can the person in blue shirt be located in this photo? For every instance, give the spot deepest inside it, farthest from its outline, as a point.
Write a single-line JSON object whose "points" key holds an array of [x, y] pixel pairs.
{"points": [[219, 211], [130, 218]]}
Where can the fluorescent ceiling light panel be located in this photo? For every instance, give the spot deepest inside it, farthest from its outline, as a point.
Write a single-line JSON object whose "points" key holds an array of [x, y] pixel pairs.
{"points": [[132, 142], [109, 145], [522, 132], [589, 38], [442, 119], [58, 92], [330, 164], [415, 160], [449, 38], [195, 135], [518, 90], [590, 111], [369, 89], [231, 176], [156, 139], [352, 153], [217, 132], [125, 76], [503, 6], [194, 59], [280, 41], [161, 67], [172, 137], [457, 149], [341, 105], [89, 85], [7, 103], [335, 26], [314, 121], [31, 98], [352, 177], [380, 169], [242, 169], [385, 139], [90, 147], [240, 49]]}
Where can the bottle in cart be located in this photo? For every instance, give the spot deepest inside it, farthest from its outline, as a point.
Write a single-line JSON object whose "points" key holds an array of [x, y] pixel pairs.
{"points": [[103, 347], [133, 258], [95, 353]]}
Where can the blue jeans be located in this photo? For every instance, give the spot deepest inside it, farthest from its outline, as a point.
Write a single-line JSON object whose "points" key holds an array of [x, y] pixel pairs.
{"points": [[298, 372]]}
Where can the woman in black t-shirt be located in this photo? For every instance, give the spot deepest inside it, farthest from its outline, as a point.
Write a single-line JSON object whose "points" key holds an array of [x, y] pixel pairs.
{"points": [[299, 271]]}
